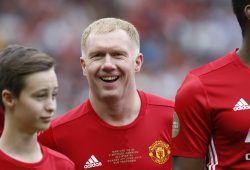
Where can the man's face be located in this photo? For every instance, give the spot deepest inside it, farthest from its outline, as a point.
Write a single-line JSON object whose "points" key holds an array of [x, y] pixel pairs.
{"points": [[110, 63]]}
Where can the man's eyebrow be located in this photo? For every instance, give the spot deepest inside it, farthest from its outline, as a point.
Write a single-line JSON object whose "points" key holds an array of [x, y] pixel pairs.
{"points": [[95, 52]]}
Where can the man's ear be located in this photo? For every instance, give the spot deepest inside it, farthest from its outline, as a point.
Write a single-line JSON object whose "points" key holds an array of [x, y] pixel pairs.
{"points": [[247, 11], [138, 62], [83, 65], [8, 98]]}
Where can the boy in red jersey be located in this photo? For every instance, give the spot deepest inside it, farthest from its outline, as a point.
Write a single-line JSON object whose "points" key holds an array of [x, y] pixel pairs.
{"points": [[214, 111], [118, 127], [28, 86]]}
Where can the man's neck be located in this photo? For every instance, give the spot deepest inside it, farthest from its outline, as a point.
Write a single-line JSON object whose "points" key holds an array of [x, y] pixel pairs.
{"points": [[244, 52], [118, 112]]}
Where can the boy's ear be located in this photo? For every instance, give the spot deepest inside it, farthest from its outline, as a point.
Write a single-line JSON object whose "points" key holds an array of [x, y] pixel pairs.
{"points": [[8, 98], [83, 65]]}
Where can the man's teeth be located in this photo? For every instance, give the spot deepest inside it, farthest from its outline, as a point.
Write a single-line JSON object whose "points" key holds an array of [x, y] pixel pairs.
{"points": [[109, 78]]}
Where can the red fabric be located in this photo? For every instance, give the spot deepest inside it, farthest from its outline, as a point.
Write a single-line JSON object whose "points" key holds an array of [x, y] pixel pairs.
{"points": [[209, 123], [81, 134], [51, 161]]}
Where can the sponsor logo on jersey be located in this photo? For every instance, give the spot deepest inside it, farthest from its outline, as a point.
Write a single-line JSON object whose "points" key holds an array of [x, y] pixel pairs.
{"points": [[159, 152], [92, 162], [241, 105]]}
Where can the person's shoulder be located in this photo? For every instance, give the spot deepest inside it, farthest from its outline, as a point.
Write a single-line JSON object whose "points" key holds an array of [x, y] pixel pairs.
{"points": [[197, 80], [72, 114], [154, 99], [216, 65], [56, 156]]}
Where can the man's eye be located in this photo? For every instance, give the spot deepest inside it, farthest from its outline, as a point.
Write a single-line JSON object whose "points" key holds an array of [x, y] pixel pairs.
{"points": [[54, 95], [97, 55], [118, 55], [40, 96]]}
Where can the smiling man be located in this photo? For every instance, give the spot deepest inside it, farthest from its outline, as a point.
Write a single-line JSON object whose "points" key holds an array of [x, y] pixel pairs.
{"points": [[119, 126]]}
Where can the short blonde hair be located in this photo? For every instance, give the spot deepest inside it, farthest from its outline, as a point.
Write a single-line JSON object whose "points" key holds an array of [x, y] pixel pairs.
{"points": [[106, 25]]}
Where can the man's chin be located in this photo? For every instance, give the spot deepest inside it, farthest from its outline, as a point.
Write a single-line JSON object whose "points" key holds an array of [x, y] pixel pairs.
{"points": [[110, 95]]}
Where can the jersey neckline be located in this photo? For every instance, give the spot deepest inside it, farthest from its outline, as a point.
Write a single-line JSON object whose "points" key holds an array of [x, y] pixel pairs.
{"points": [[20, 163], [133, 123]]}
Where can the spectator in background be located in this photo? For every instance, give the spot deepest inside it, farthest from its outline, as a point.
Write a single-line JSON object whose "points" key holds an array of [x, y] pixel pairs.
{"points": [[28, 86], [119, 126], [213, 109]]}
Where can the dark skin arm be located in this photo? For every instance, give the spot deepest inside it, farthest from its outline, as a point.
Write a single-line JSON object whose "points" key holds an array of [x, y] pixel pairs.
{"points": [[184, 163]]}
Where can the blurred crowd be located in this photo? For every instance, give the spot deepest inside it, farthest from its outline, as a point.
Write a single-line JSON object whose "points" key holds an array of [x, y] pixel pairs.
{"points": [[176, 36]]}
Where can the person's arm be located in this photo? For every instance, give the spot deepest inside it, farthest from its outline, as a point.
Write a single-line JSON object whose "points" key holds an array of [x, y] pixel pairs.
{"points": [[184, 163], [191, 141]]}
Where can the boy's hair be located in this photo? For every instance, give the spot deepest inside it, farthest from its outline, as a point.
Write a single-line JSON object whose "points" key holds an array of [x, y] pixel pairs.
{"points": [[17, 62], [106, 25], [238, 8]]}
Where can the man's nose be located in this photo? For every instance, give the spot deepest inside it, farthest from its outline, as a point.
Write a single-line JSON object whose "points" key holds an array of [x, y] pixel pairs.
{"points": [[108, 63]]}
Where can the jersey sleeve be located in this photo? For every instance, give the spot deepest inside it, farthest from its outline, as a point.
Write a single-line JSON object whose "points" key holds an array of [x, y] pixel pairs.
{"points": [[46, 138], [59, 161], [192, 108]]}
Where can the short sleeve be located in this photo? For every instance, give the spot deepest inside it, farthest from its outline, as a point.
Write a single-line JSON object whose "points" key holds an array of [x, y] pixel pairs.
{"points": [[194, 113]]}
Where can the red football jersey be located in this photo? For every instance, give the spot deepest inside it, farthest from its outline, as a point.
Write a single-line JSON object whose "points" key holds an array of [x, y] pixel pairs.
{"points": [[51, 161], [214, 113], [86, 139]]}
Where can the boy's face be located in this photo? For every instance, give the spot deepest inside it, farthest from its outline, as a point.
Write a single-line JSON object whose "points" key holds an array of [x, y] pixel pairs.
{"points": [[33, 110]]}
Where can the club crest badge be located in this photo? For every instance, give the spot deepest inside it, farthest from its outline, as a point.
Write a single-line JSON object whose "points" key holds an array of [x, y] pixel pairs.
{"points": [[159, 152]]}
